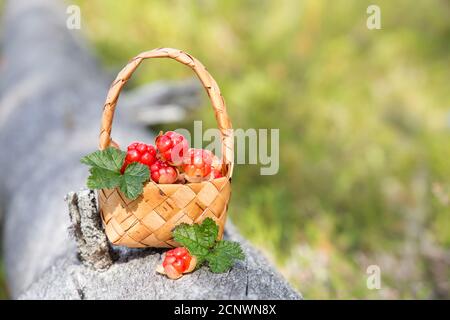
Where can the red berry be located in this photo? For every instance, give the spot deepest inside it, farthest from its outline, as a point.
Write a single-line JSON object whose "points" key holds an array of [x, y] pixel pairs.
{"points": [[162, 172], [180, 259], [148, 159], [179, 265], [172, 147], [217, 174], [216, 168], [197, 164], [132, 146], [132, 156], [139, 152], [169, 260], [179, 252]]}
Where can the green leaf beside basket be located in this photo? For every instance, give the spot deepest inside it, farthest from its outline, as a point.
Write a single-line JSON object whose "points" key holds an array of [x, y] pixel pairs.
{"points": [[201, 241]]}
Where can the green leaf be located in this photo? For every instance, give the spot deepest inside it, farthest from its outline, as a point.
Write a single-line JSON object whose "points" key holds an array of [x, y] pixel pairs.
{"points": [[110, 159], [223, 256], [103, 179], [210, 231], [105, 168], [197, 238], [201, 241], [105, 172], [133, 179]]}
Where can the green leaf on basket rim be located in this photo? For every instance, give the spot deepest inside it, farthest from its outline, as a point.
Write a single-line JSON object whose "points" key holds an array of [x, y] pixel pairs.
{"points": [[110, 159], [105, 172], [133, 179]]}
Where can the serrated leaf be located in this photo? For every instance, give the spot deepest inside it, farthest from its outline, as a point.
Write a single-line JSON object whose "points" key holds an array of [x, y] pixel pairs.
{"points": [[105, 168], [191, 238], [105, 172], [210, 231], [110, 159], [223, 256], [200, 240], [132, 181], [103, 179], [197, 238]]}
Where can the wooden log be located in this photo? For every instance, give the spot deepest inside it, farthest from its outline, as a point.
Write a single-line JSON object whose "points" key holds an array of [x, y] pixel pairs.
{"points": [[51, 96], [93, 247], [132, 275]]}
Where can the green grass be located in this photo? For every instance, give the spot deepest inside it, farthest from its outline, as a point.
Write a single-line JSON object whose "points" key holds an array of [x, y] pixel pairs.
{"points": [[363, 118]]}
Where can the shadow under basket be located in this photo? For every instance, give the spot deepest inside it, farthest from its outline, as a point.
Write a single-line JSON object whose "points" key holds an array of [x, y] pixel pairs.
{"points": [[148, 221]]}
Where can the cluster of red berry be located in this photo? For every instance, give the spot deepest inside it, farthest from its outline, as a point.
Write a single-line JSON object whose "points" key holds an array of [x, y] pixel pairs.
{"points": [[177, 262], [173, 161]]}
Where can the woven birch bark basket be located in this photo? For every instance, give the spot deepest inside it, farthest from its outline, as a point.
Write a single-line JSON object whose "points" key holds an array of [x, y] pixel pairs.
{"points": [[148, 221]]}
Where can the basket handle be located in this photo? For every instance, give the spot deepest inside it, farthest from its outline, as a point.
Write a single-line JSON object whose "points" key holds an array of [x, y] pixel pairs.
{"points": [[210, 85]]}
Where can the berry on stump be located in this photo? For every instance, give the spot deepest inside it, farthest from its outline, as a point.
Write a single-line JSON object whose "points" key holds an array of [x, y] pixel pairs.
{"points": [[176, 262]]}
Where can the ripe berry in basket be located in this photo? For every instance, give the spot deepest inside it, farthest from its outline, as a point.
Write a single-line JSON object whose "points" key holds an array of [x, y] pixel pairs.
{"points": [[176, 262], [162, 172], [140, 152], [172, 147], [216, 168], [197, 165], [216, 174]]}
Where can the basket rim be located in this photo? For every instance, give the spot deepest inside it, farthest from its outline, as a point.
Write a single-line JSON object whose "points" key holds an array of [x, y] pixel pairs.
{"points": [[208, 82]]}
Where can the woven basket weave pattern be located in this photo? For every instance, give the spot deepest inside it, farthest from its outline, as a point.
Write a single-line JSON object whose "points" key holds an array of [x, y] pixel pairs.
{"points": [[148, 221]]}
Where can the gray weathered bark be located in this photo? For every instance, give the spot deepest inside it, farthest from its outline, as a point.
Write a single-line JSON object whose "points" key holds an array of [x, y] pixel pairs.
{"points": [[132, 275], [94, 250], [51, 96]]}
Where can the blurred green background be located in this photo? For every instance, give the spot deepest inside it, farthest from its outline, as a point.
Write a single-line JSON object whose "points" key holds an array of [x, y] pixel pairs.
{"points": [[364, 119]]}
